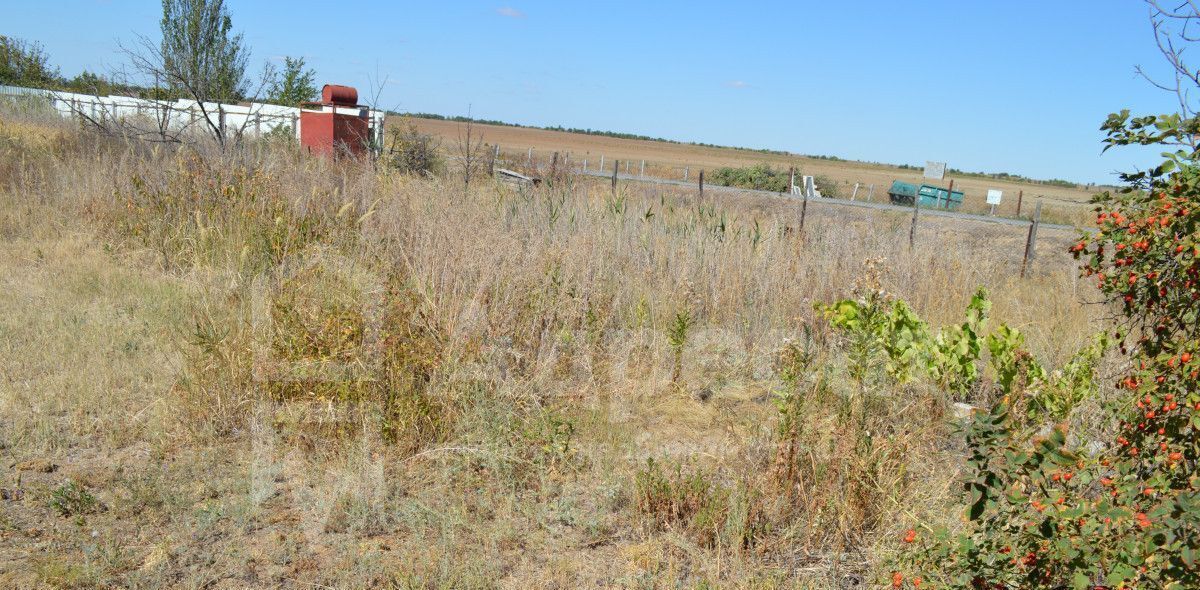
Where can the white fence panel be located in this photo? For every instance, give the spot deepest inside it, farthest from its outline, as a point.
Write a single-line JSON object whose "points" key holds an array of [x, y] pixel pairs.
{"points": [[250, 120]]}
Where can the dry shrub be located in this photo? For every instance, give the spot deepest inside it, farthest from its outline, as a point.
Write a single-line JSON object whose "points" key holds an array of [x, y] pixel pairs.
{"points": [[841, 465], [413, 353], [838, 475], [327, 340], [216, 390], [218, 212], [322, 346], [411, 152], [698, 504]]}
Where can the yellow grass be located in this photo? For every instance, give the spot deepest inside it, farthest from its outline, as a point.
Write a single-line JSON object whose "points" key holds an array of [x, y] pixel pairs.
{"points": [[525, 334]]}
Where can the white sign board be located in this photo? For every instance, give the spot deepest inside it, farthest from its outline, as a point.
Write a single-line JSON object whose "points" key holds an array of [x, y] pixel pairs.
{"points": [[993, 196], [935, 170]]}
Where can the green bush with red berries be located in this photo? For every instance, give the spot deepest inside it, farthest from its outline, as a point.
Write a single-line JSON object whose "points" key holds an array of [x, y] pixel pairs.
{"points": [[1040, 513]]}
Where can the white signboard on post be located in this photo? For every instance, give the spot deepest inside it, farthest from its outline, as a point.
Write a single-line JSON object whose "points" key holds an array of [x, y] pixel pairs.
{"points": [[993, 196], [935, 170]]}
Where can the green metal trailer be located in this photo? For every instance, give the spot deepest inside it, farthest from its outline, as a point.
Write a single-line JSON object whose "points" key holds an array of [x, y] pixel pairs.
{"points": [[927, 195]]}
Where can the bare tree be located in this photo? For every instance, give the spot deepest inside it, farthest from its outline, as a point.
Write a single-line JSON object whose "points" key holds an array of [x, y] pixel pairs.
{"points": [[378, 138], [471, 151], [154, 121], [1177, 26]]}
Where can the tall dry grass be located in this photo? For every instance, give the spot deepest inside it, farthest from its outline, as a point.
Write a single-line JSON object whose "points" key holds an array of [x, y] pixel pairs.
{"points": [[416, 385]]}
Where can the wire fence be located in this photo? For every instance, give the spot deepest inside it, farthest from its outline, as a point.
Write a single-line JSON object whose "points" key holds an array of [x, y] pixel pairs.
{"points": [[870, 186]]}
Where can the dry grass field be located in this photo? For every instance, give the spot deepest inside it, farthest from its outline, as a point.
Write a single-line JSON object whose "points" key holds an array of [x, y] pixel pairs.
{"points": [[259, 370], [668, 160]]}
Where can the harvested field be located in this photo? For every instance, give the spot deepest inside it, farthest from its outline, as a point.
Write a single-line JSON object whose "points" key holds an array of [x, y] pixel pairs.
{"points": [[668, 160]]}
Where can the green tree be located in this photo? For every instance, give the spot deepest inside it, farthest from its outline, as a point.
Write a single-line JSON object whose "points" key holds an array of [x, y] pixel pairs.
{"points": [[294, 85], [201, 56], [89, 83], [25, 64]]}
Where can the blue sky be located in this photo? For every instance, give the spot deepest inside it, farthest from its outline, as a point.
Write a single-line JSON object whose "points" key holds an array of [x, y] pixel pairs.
{"points": [[1017, 86]]}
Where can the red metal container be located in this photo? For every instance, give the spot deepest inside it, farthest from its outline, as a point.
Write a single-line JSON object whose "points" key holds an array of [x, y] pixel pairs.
{"points": [[339, 95], [337, 125]]}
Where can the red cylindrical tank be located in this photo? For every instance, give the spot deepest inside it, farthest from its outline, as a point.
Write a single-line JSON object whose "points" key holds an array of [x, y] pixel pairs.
{"points": [[339, 95]]}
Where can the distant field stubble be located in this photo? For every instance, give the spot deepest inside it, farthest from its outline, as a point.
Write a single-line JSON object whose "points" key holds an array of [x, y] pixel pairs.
{"points": [[668, 160]]}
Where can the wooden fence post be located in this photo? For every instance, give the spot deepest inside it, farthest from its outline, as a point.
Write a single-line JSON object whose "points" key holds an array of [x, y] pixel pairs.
{"points": [[791, 180], [616, 166], [1020, 196], [642, 171], [686, 169], [701, 185], [803, 209], [1031, 239], [870, 192], [529, 159], [601, 168], [912, 231], [855, 193]]}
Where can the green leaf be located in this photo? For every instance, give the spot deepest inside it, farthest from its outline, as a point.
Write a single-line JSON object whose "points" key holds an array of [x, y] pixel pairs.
{"points": [[1119, 574], [1080, 581]]}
